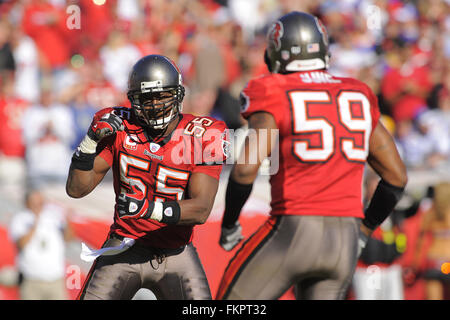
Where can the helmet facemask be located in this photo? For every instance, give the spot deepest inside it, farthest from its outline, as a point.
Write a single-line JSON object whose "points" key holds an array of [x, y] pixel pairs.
{"points": [[157, 108]]}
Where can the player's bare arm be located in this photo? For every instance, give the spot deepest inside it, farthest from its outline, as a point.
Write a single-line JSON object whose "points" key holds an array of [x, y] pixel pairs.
{"points": [[243, 175], [384, 157], [385, 160], [243, 171], [202, 191], [80, 183], [87, 169]]}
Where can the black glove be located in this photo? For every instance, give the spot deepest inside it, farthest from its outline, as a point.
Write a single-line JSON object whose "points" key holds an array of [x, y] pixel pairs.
{"points": [[103, 125], [362, 242], [134, 205]]}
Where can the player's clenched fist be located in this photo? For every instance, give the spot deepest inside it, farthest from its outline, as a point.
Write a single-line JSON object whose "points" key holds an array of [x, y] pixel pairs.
{"points": [[134, 205], [104, 124]]}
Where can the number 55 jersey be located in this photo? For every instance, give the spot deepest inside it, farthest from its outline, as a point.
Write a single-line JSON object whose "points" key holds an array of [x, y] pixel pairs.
{"points": [[162, 170], [324, 124]]}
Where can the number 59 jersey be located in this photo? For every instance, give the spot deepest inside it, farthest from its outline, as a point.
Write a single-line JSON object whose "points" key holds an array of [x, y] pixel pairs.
{"points": [[162, 170], [324, 124]]}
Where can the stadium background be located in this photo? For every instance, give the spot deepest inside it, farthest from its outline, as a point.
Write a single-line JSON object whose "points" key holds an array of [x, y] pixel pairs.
{"points": [[77, 54]]}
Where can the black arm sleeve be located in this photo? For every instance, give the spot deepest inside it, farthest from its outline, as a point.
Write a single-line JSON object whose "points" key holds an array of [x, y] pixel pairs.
{"points": [[235, 198], [384, 200]]}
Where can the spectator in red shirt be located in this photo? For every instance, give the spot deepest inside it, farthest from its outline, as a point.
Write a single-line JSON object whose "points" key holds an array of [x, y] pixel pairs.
{"points": [[406, 85], [224, 35], [46, 24], [12, 149], [97, 21], [143, 38]]}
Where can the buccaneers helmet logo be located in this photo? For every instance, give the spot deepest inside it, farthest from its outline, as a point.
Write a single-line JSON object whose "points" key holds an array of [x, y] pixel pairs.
{"points": [[322, 30], [275, 34]]}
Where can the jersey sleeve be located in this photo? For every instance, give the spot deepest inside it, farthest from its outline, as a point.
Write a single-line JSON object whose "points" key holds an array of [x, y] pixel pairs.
{"points": [[261, 95], [215, 146], [105, 149]]}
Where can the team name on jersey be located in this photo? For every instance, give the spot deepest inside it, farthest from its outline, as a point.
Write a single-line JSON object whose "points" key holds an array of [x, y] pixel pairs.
{"points": [[151, 155], [318, 77]]}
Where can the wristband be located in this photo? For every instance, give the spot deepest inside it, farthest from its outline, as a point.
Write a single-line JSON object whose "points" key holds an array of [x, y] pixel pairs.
{"points": [[83, 158], [384, 200], [83, 161], [166, 212]]}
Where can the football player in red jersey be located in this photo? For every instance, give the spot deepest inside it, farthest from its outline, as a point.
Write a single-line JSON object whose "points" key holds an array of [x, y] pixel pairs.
{"points": [[166, 166], [328, 129]]}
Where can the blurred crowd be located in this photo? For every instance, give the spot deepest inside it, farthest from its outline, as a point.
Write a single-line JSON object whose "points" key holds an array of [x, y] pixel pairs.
{"points": [[63, 60]]}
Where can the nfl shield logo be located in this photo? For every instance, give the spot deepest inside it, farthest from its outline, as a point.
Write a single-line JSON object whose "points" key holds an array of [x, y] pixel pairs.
{"points": [[285, 55], [154, 147]]}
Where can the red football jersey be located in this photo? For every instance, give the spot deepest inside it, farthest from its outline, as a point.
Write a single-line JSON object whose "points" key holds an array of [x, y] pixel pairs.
{"points": [[324, 127], [162, 169]]}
